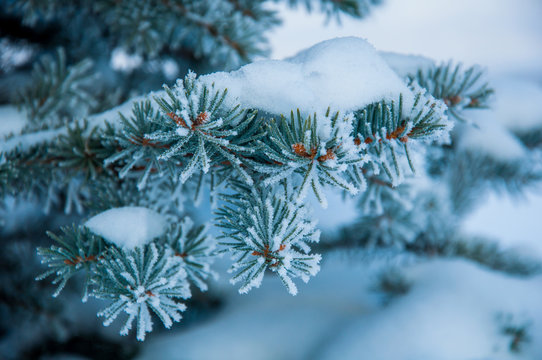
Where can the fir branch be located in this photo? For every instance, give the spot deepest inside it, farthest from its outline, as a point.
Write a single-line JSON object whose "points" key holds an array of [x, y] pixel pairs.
{"points": [[320, 150], [67, 166], [385, 129], [139, 281], [224, 31], [354, 8], [77, 250], [517, 329], [470, 172], [267, 231], [164, 195], [137, 153], [489, 253], [459, 88], [25, 172], [57, 92], [80, 151], [195, 249], [200, 131], [236, 33], [35, 11]]}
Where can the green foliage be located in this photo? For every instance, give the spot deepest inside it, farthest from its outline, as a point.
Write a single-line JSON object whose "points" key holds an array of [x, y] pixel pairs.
{"points": [[267, 231], [174, 145], [386, 129], [199, 127], [26, 171], [138, 154], [151, 277], [518, 330], [354, 8], [58, 92], [229, 32], [469, 171], [195, 249], [459, 89], [531, 138], [392, 283], [169, 148], [35, 11], [77, 250], [489, 253], [80, 150], [320, 150], [138, 281]]}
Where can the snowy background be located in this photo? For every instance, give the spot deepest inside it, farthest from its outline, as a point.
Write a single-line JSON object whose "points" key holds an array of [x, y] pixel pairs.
{"points": [[450, 313]]}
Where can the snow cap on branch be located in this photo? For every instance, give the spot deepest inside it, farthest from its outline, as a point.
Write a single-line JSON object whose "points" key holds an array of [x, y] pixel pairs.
{"points": [[345, 74], [128, 227]]}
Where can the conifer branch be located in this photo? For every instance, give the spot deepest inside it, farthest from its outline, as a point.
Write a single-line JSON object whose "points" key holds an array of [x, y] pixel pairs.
{"points": [[57, 92], [267, 231], [138, 282], [459, 88]]}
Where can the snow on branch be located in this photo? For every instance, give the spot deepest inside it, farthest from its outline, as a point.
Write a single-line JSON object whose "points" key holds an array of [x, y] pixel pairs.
{"points": [[263, 136], [344, 74]]}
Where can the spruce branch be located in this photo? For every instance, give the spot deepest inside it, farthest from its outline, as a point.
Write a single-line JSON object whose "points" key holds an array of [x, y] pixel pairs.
{"points": [[224, 31], [26, 171], [81, 151], [139, 281], [470, 172], [489, 253], [66, 166], [137, 153], [385, 129], [354, 8], [34, 11], [267, 231], [517, 329], [164, 195], [318, 149], [58, 92], [196, 250], [459, 88], [77, 250], [200, 131]]}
